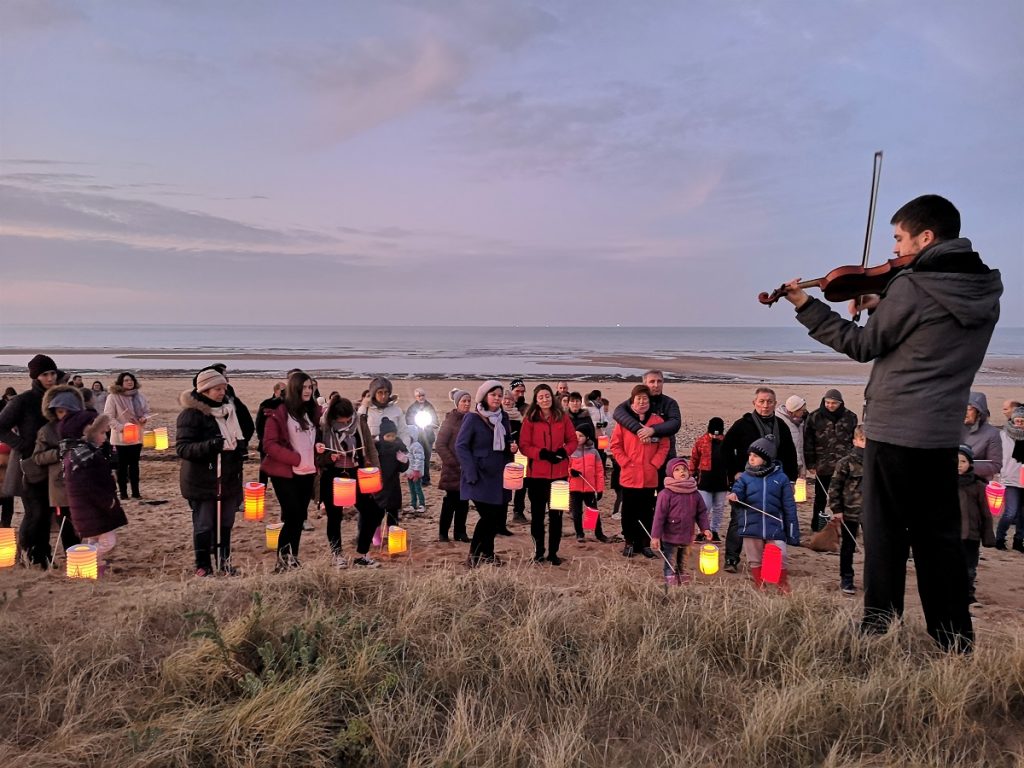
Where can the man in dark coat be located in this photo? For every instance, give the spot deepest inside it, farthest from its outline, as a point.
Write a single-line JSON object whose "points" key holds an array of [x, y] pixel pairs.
{"points": [[663, 405], [827, 438]]}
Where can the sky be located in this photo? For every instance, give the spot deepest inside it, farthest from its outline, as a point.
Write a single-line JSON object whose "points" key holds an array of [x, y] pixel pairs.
{"points": [[475, 162]]}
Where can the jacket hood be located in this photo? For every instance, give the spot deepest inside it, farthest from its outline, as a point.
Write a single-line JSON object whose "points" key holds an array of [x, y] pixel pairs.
{"points": [[980, 403], [952, 274], [84, 425], [381, 383], [52, 392], [117, 389], [187, 399]]}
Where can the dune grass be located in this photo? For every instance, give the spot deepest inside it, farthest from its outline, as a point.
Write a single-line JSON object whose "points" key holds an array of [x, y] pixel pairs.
{"points": [[488, 668]]}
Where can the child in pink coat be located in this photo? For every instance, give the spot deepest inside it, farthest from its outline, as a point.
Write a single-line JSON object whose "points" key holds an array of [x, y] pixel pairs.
{"points": [[679, 507]]}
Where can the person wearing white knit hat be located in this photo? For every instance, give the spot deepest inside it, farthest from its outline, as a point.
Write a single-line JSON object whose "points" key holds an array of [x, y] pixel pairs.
{"points": [[794, 416]]}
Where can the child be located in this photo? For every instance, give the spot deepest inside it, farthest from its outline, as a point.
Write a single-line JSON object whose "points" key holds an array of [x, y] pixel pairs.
{"points": [[92, 493], [975, 520], [845, 499], [586, 480], [414, 477], [768, 511], [394, 460], [679, 507], [708, 465]]}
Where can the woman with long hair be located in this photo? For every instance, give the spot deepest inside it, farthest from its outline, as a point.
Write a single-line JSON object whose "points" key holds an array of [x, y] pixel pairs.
{"points": [[127, 405], [547, 439], [454, 508], [290, 440]]}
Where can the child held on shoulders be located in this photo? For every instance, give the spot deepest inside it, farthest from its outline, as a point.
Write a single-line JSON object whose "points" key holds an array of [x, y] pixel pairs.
{"points": [[678, 509], [975, 519], [414, 476], [767, 509], [394, 460], [846, 498], [586, 480]]}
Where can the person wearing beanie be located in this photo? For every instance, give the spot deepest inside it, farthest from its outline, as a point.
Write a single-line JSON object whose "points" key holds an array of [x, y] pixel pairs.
{"points": [[422, 415], [125, 404], [793, 414], [846, 498], [93, 505], [982, 438], [380, 402], [484, 446], [1012, 477], [394, 460], [20, 422], [518, 388], [679, 508], [245, 419], [454, 508], [708, 466], [827, 438], [586, 480], [209, 439], [764, 509], [758, 423], [975, 519], [927, 335], [547, 439]]}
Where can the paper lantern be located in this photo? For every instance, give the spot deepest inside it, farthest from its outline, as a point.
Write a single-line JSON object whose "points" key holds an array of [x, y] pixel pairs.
{"points": [[995, 494], [521, 459], [513, 476], [396, 540], [149, 439], [130, 434], [369, 480], [800, 490], [8, 548], [273, 534], [603, 442], [255, 499], [82, 562], [590, 518], [709, 559], [160, 438], [771, 564], [559, 495], [344, 492]]}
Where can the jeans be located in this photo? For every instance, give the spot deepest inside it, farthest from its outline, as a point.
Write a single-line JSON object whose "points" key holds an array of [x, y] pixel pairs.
{"points": [[1013, 514], [715, 502], [294, 494], [416, 498], [676, 555]]}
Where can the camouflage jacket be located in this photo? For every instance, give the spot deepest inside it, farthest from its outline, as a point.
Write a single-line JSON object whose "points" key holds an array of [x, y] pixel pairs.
{"points": [[844, 493], [826, 441]]}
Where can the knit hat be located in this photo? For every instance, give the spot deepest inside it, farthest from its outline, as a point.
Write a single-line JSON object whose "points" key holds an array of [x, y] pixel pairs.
{"points": [[765, 448], [716, 426], [794, 403], [673, 463], [968, 453], [208, 379], [586, 429], [487, 386], [1017, 413], [69, 401], [516, 383], [39, 365], [387, 426], [832, 394], [457, 394]]}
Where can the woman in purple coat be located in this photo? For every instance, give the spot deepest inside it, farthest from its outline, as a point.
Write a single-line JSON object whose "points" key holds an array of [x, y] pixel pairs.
{"points": [[484, 446]]}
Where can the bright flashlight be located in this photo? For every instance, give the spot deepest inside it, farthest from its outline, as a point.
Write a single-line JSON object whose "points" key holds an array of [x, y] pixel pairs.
{"points": [[423, 419]]}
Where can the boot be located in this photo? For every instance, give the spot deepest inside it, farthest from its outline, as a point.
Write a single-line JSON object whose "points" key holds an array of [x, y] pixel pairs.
{"points": [[784, 588], [755, 575], [225, 553], [670, 580]]}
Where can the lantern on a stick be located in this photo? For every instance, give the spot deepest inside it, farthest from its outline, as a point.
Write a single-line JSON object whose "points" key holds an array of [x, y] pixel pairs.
{"points": [[161, 442], [8, 548], [255, 499], [273, 534], [520, 458], [709, 559], [603, 442], [995, 494], [344, 492], [590, 518], [512, 478], [82, 562], [800, 490], [369, 480], [397, 541], [559, 495], [771, 564], [131, 433], [149, 439]]}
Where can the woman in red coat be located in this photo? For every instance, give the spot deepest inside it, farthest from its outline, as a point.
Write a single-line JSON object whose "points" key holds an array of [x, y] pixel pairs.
{"points": [[547, 439], [639, 461]]}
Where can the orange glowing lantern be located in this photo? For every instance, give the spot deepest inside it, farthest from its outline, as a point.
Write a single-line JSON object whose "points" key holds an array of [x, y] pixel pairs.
{"points": [[369, 480], [709, 559], [255, 499], [513, 476], [131, 434], [160, 439], [800, 490], [8, 548], [82, 562], [397, 541], [273, 534], [344, 491], [995, 493], [559, 495], [603, 442], [771, 564], [149, 439]]}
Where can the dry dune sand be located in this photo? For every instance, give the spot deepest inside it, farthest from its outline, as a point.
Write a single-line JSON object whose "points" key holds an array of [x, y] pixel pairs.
{"points": [[156, 544]]}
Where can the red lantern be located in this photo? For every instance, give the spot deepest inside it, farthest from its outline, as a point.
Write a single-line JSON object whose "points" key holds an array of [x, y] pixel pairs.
{"points": [[590, 518], [131, 434], [994, 494], [344, 492], [369, 480], [255, 496], [771, 564], [603, 442]]}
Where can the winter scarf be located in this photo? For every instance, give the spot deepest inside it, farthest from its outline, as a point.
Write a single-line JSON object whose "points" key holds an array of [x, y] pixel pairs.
{"points": [[226, 418], [494, 418], [342, 439], [762, 471], [132, 402], [766, 425], [1017, 435], [687, 485], [967, 478]]}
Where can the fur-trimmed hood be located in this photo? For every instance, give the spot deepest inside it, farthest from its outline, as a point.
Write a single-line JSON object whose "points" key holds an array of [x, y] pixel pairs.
{"points": [[117, 389], [188, 399], [52, 392], [379, 383]]}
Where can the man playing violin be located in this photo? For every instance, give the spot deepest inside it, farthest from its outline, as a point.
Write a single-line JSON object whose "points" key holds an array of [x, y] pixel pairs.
{"points": [[927, 335]]}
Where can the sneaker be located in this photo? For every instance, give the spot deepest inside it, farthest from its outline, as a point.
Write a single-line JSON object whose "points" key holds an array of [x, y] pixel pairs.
{"points": [[308, 526], [339, 561], [203, 572], [365, 562], [847, 588], [554, 559], [463, 538], [731, 567], [627, 551], [670, 581], [648, 553]]}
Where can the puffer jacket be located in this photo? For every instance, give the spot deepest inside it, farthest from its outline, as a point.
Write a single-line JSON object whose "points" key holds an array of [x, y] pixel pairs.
{"points": [[124, 409], [772, 493], [198, 441], [451, 471], [47, 451], [639, 463], [549, 434], [586, 461], [91, 489], [845, 495], [975, 519]]}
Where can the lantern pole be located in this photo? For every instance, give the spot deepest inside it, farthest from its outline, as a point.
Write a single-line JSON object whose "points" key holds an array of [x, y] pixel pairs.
{"points": [[60, 539], [219, 494], [671, 567]]}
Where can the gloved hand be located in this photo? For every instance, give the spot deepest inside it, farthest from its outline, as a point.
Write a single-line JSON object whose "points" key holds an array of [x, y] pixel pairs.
{"points": [[575, 473], [549, 456], [561, 454]]}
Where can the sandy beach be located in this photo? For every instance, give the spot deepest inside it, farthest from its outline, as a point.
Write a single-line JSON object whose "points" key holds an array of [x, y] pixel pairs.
{"points": [[156, 545]]}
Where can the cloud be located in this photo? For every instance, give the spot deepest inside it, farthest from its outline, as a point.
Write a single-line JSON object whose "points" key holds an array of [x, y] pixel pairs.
{"points": [[24, 16]]}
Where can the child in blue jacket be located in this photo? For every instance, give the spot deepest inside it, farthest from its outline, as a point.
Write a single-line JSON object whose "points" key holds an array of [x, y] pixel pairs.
{"points": [[770, 514]]}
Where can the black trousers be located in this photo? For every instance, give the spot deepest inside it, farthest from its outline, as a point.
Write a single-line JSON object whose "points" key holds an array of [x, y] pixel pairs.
{"points": [[6, 511], [538, 490], [453, 508], [482, 543], [128, 468], [577, 500], [972, 554], [637, 509], [293, 494], [519, 501], [204, 527], [847, 547], [821, 486], [911, 502], [34, 531]]}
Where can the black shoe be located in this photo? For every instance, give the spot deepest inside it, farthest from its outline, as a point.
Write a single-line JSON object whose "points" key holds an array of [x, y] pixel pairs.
{"points": [[999, 544], [463, 538], [554, 559], [1018, 545], [627, 551], [443, 537], [124, 497], [715, 537], [700, 538], [648, 553], [538, 558], [505, 532], [136, 495], [602, 538], [519, 517], [580, 538], [731, 567]]}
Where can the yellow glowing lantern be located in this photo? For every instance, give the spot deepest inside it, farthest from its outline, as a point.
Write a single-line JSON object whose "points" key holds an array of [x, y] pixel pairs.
{"points": [[800, 490], [513, 476], [559, 495], [397, 541], [344, 492], [82, 562], [149, 439], [370, 480], [130, 434], [160, 438], [709, 559], [603, 441], [255, 499], [995, 493], [521, 460], [8, 548], [273, 534]]}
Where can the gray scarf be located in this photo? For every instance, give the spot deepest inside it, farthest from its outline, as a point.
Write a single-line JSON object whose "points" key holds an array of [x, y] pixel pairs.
{"points": [[494, 418]]}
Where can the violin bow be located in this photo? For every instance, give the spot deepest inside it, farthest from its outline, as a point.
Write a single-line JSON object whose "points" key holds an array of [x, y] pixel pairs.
{"points": [[875, 179]]}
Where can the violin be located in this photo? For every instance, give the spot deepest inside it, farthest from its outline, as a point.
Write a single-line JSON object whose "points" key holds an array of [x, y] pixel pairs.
{"points": [[851, 282]]}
